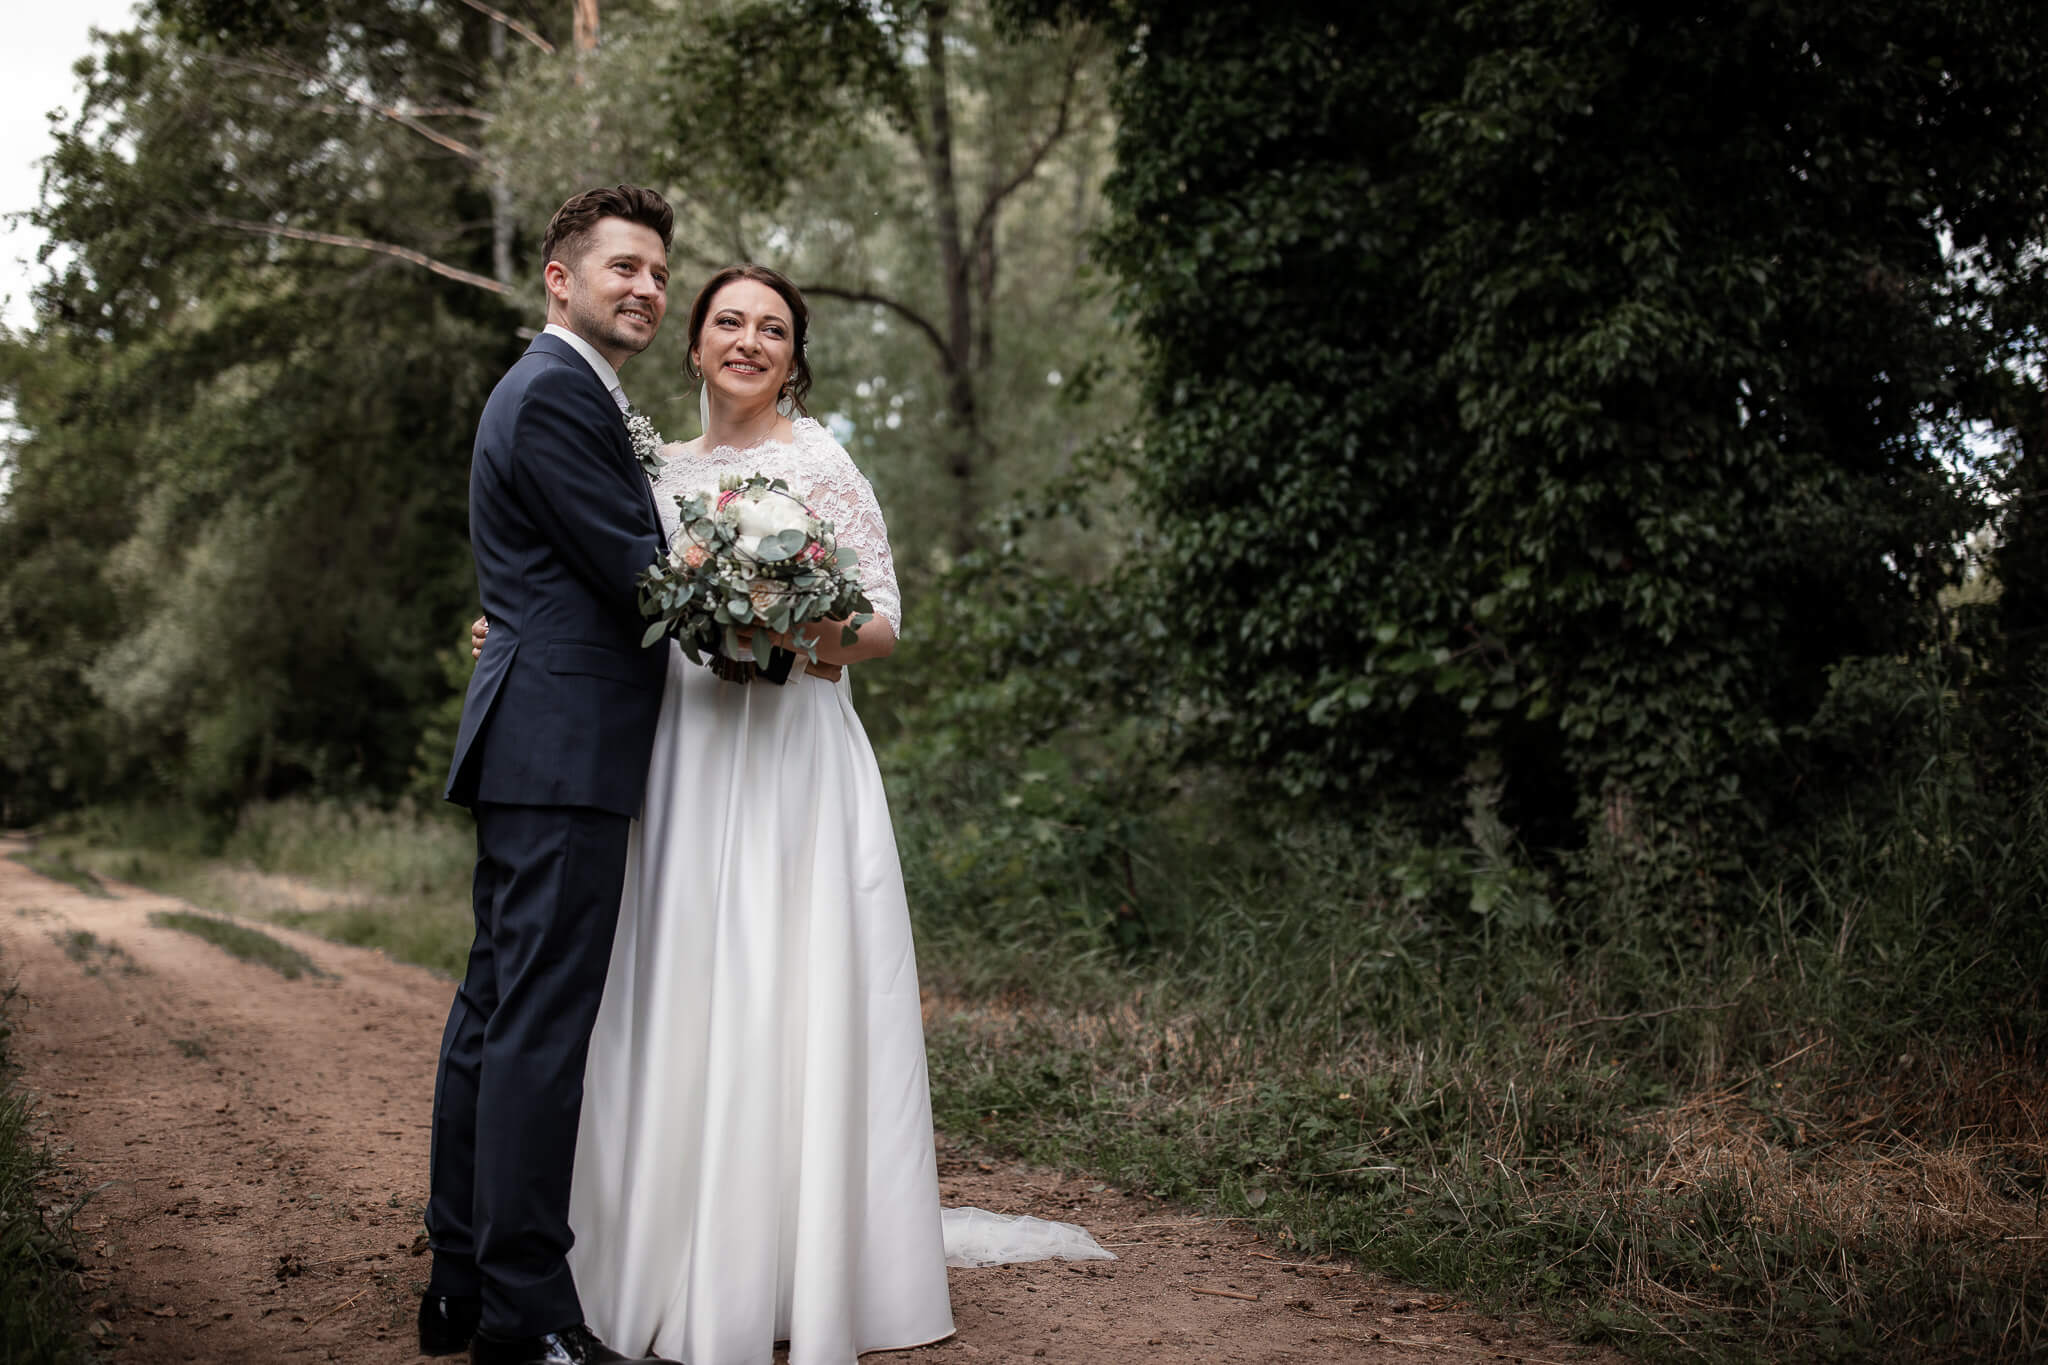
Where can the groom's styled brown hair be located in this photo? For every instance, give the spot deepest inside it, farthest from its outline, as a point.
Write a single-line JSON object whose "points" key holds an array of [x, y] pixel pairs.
{"points": [[568, 234]]}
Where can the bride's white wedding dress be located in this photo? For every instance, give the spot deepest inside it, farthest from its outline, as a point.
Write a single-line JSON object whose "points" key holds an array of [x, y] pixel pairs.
{"points": [[755, 1161]]}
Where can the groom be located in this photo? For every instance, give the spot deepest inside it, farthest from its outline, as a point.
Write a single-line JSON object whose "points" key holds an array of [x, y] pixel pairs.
{"points": [[551, 757]]}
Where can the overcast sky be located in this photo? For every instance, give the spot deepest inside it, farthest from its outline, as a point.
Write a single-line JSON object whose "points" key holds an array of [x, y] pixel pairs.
{"points": [[43, 41]]}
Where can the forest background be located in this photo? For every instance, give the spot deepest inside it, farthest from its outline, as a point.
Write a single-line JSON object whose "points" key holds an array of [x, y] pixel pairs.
{"points": [[1475, 685]]}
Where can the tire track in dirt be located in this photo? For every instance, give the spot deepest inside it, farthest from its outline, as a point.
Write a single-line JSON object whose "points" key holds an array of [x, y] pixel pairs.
{"points": [[254, 1150]]}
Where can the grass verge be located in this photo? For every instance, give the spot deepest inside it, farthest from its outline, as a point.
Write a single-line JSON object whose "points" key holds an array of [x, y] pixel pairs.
{"points": [[242, 940], [39, 1288], [1741, 1223], [60, 867], [433, 934], [1811, 1131], [392, 880]]}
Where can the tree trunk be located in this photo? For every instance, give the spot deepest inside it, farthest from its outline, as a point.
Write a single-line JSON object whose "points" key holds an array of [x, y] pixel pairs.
{"points": [[2022, 560], [585, 43], [985, 293], [963, 419], [501, 189]]}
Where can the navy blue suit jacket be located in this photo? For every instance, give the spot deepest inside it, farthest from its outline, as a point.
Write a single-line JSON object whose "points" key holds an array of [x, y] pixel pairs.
{"points": [[562, 706]]}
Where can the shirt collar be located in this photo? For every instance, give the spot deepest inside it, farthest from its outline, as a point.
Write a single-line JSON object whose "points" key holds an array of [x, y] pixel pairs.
{"points": [[608, 376]]}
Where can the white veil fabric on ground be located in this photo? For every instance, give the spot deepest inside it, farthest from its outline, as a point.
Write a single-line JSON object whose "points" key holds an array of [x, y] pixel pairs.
{"points": [[976, 1237]]}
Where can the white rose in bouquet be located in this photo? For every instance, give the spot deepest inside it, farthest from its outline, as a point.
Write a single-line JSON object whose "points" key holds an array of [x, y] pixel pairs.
{"points": [[768, 514]]}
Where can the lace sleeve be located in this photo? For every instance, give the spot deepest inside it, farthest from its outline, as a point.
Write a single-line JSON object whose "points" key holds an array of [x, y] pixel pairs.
{"points": [[842, 495]]}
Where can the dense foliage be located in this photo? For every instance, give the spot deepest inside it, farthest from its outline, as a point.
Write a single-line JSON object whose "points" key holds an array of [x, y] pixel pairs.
{"points": [[233, 533], [1559, 392]]}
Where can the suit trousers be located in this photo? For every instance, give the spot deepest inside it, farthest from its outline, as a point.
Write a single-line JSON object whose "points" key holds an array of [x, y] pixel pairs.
{"points": [[509, 1091]]}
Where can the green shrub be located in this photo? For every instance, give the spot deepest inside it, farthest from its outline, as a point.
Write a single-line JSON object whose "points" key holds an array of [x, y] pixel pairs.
{"points": [[385, 852]]}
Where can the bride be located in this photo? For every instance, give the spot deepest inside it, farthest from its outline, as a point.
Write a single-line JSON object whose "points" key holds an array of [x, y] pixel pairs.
{"points": [[754, 1161]]}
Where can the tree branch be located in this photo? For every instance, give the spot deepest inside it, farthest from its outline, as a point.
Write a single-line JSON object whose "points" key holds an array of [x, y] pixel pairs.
{"points": [[396, 115], [285, 69], [902, 310], [710, 239], [451, 111], [939, 171], [509, 22], [403, 253], [1036, 158]]}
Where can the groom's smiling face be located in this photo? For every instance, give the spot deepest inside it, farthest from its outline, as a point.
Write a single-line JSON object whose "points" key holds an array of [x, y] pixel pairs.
{"points": [[616, 291]]}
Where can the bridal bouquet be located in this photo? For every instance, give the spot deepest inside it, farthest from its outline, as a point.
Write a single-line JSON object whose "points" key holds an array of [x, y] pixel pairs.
{"points": [[748, 553]]}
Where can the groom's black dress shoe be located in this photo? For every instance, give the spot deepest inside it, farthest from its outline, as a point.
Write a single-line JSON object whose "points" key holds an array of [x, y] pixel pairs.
{"points": [[447, 1322], [571, 1346]]}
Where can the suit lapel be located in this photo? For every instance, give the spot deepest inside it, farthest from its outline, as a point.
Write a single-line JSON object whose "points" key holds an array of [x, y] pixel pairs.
{"points": [[647, 490]]}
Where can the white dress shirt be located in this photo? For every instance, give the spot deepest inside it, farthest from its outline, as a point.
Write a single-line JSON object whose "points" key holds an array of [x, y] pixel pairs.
{"points": [[602, 367]]}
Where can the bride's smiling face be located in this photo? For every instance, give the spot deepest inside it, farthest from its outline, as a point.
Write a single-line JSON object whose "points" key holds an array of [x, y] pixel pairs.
{"points": [[746, 348]]}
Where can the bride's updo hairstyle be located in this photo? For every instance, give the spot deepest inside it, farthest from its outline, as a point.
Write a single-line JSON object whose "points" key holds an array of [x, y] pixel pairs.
{"points": [[799, 317]]}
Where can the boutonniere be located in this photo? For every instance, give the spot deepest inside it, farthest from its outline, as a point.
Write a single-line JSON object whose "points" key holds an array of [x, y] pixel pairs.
{"points": [[646, 442]]}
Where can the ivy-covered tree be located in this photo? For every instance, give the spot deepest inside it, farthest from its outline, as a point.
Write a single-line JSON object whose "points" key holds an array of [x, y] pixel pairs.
{"points": [[1558, 389]]}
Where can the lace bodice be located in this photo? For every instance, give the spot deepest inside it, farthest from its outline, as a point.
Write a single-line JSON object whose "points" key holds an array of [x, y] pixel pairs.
{"points": [[818, 470]]}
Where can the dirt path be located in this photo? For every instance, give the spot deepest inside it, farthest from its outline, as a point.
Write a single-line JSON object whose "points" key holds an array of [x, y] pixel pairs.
{"points": [[255, 1149]]}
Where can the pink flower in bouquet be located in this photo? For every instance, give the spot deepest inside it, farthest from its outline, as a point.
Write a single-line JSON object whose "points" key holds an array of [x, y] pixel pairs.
{"points": [[694, 557]]}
